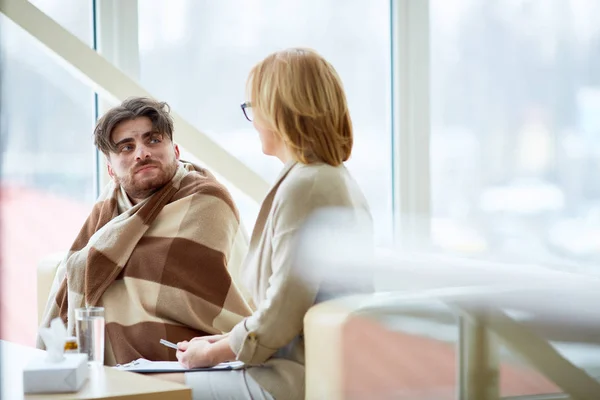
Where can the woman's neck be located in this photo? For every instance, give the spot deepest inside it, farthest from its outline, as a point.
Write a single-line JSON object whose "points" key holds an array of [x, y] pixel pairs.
{"points": [[284, 154]]}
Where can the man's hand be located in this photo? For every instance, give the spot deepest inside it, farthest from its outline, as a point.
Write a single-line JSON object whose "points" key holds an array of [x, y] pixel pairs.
{"points": [[194, 354]]}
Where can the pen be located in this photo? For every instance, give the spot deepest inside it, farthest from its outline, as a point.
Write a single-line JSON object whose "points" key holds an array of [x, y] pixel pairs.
{"points": [[169, 344]]}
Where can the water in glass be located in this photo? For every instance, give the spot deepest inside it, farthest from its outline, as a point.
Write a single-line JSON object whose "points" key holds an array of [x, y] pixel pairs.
{"points": [[90, 335]]}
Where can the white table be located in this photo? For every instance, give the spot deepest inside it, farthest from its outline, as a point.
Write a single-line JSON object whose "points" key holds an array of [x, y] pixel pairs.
{"points": [[104, 382]]}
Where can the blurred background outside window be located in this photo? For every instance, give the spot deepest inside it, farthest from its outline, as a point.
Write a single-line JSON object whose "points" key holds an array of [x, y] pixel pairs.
{"points": [[515, 139], [47, 180]]}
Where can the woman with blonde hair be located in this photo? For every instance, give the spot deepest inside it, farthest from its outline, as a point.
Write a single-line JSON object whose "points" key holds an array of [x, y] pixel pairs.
{"points": [[298, 106]]}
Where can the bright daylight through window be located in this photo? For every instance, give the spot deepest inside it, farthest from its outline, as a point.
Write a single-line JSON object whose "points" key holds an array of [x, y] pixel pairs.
{"points": [[196, 55], [515, 139], [48, 159]]}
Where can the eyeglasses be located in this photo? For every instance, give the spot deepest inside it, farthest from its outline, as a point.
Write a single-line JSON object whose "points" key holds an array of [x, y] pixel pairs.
{"points": [[247, 110]]}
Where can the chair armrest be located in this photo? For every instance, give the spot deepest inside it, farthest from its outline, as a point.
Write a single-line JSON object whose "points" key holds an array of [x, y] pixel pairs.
{"points": [[46, 270], [353, 353], [326, 350]]}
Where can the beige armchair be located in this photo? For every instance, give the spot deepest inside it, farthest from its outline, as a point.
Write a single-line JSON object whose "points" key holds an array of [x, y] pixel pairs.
{"points": [[350, 355]]}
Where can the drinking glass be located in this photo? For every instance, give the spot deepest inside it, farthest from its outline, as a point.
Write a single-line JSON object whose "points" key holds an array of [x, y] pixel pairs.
{"points": [[90, 333]]}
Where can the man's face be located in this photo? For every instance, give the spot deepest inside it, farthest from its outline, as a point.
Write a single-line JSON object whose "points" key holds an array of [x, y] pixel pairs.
{"points": [[144, 160]]}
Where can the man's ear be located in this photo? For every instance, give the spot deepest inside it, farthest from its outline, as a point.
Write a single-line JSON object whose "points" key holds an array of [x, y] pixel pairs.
{"points": [[111, 173], [176, 147]]}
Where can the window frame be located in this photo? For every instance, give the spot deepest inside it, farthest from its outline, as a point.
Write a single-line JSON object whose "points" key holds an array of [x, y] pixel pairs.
{"points": [[115, 25], [411, 131]]}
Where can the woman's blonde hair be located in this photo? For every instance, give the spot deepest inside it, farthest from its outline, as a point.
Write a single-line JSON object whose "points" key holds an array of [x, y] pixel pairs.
{"points": [[300, 96]]}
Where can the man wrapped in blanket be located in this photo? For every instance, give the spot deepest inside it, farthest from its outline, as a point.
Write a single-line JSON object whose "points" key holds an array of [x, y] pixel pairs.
{"points": [[154, 250]]}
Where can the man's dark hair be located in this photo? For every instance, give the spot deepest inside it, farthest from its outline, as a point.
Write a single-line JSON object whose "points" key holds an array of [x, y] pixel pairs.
{"points": [[134, 107]]}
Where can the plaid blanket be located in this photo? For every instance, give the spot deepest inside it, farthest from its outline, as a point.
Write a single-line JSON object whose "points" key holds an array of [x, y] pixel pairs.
{"points": [[159, 268]]}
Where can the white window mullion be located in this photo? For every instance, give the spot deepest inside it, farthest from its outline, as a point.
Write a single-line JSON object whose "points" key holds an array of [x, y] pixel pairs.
{"points": [[116, 24], [411, 120]]}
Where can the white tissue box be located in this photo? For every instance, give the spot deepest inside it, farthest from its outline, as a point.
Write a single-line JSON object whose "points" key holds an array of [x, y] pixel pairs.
{"points": [[68, 375]]}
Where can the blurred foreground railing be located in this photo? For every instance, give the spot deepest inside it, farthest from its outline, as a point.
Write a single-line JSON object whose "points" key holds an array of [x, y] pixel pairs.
{"points": [[479, 362], [524, 308]]}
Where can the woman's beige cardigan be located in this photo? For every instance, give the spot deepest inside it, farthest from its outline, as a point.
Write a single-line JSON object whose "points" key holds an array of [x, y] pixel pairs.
{"points": [[283, 287]]}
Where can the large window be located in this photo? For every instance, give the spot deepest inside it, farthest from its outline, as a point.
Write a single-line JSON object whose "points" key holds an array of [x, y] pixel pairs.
{"points": [[515, 139], [514, 145], [48, 161], [196, 55]]}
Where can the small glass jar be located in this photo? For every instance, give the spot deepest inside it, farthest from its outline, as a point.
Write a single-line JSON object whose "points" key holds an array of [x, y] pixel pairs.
{"points": [[71, 345]]}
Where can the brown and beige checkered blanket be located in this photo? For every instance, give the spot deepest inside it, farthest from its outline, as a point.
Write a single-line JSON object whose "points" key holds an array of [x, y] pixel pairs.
{"points": [[159, 268]]}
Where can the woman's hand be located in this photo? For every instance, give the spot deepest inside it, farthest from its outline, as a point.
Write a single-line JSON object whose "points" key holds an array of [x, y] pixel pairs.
{"points": [[204, 351], [194, 354], [210, 339]]}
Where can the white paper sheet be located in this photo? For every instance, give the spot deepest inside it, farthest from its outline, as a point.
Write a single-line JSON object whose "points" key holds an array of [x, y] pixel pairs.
{"points": [[146, 366]]}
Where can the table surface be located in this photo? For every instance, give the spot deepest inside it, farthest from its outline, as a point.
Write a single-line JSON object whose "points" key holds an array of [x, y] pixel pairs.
{"points": [[103, 383]]}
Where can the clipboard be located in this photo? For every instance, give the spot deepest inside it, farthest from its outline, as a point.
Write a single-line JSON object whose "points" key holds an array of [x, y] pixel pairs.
{"points": [[143, 366]]}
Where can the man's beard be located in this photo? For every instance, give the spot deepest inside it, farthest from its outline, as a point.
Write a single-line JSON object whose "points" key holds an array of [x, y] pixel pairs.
{"points": [[137, 188]]}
